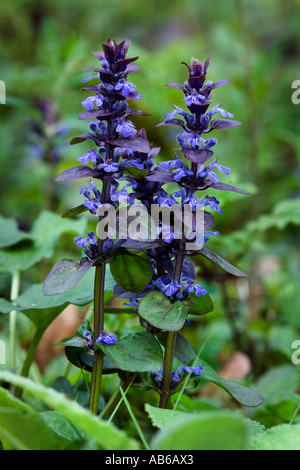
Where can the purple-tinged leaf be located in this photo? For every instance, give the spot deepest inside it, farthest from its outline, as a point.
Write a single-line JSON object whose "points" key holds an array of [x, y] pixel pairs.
{"points": [[77, 172], [75, 211], [219, 83], [90, 87], [95, 113], [138, 245], [100, 55], [172, 122], [197, 81], [81, 138], [105, 77], [160, 177], [197, 156], [122, 64], [222, 263], [108, 52], [190, 222], [223, 124], [227, 187], [124, 294], [130, 111], [93, 69], [132, 68], [176, 85], [137, 144], [188, 268], [206, 64], [65, 275], [209, 220]]}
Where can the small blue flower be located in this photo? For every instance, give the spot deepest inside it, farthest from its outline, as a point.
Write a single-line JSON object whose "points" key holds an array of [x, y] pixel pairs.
{"points": [[209, 143], [84, 242], [87, 156], [133, 303], [221, 168], [172, 288], [169, 164], [206, 171], [217, 109], [109, 166], [192, 287], [176, 376], [177, 110], [125, 87], [91, 100], [208, 232], [90, 340], [125, 128], [181, 171], [192, 200], [169, 233], [108, 338], [119, 196], [212, 202], [195, 370], [91, 202], [84, 80], [194, 98], [165, 199], [192, 139]]}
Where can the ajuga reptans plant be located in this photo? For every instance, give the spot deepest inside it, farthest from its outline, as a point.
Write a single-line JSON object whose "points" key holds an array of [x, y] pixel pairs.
{"points": [[154, 275]]}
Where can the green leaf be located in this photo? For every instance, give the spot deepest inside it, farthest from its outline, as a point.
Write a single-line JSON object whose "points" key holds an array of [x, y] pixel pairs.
{"points": [[42, 309], [222, 263], [137, 352], [136, 172], [131, 272], [281, 437], [61, 426], [10, 233], [75, 211], [160, 418], [65, 275], [272, 414], [105, 434], [201, 305], [216, 430], [277, 381], [158, 310], [244, 395], [23, 427], [84, 360]]}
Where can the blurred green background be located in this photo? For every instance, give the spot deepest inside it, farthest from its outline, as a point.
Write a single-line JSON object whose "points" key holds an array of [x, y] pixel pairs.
{"points": [[255, 44]]}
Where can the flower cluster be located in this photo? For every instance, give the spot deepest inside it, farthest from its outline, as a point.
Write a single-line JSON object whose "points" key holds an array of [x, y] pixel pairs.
{"points": [[192, 173], [118, 146], [120, 170]]}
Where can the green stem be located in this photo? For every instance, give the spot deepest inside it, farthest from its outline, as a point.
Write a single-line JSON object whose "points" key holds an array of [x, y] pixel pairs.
{"points": [[99, 295], [15, 286], [112, 403], [171, 340], [98, 328], [167, 371]]}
